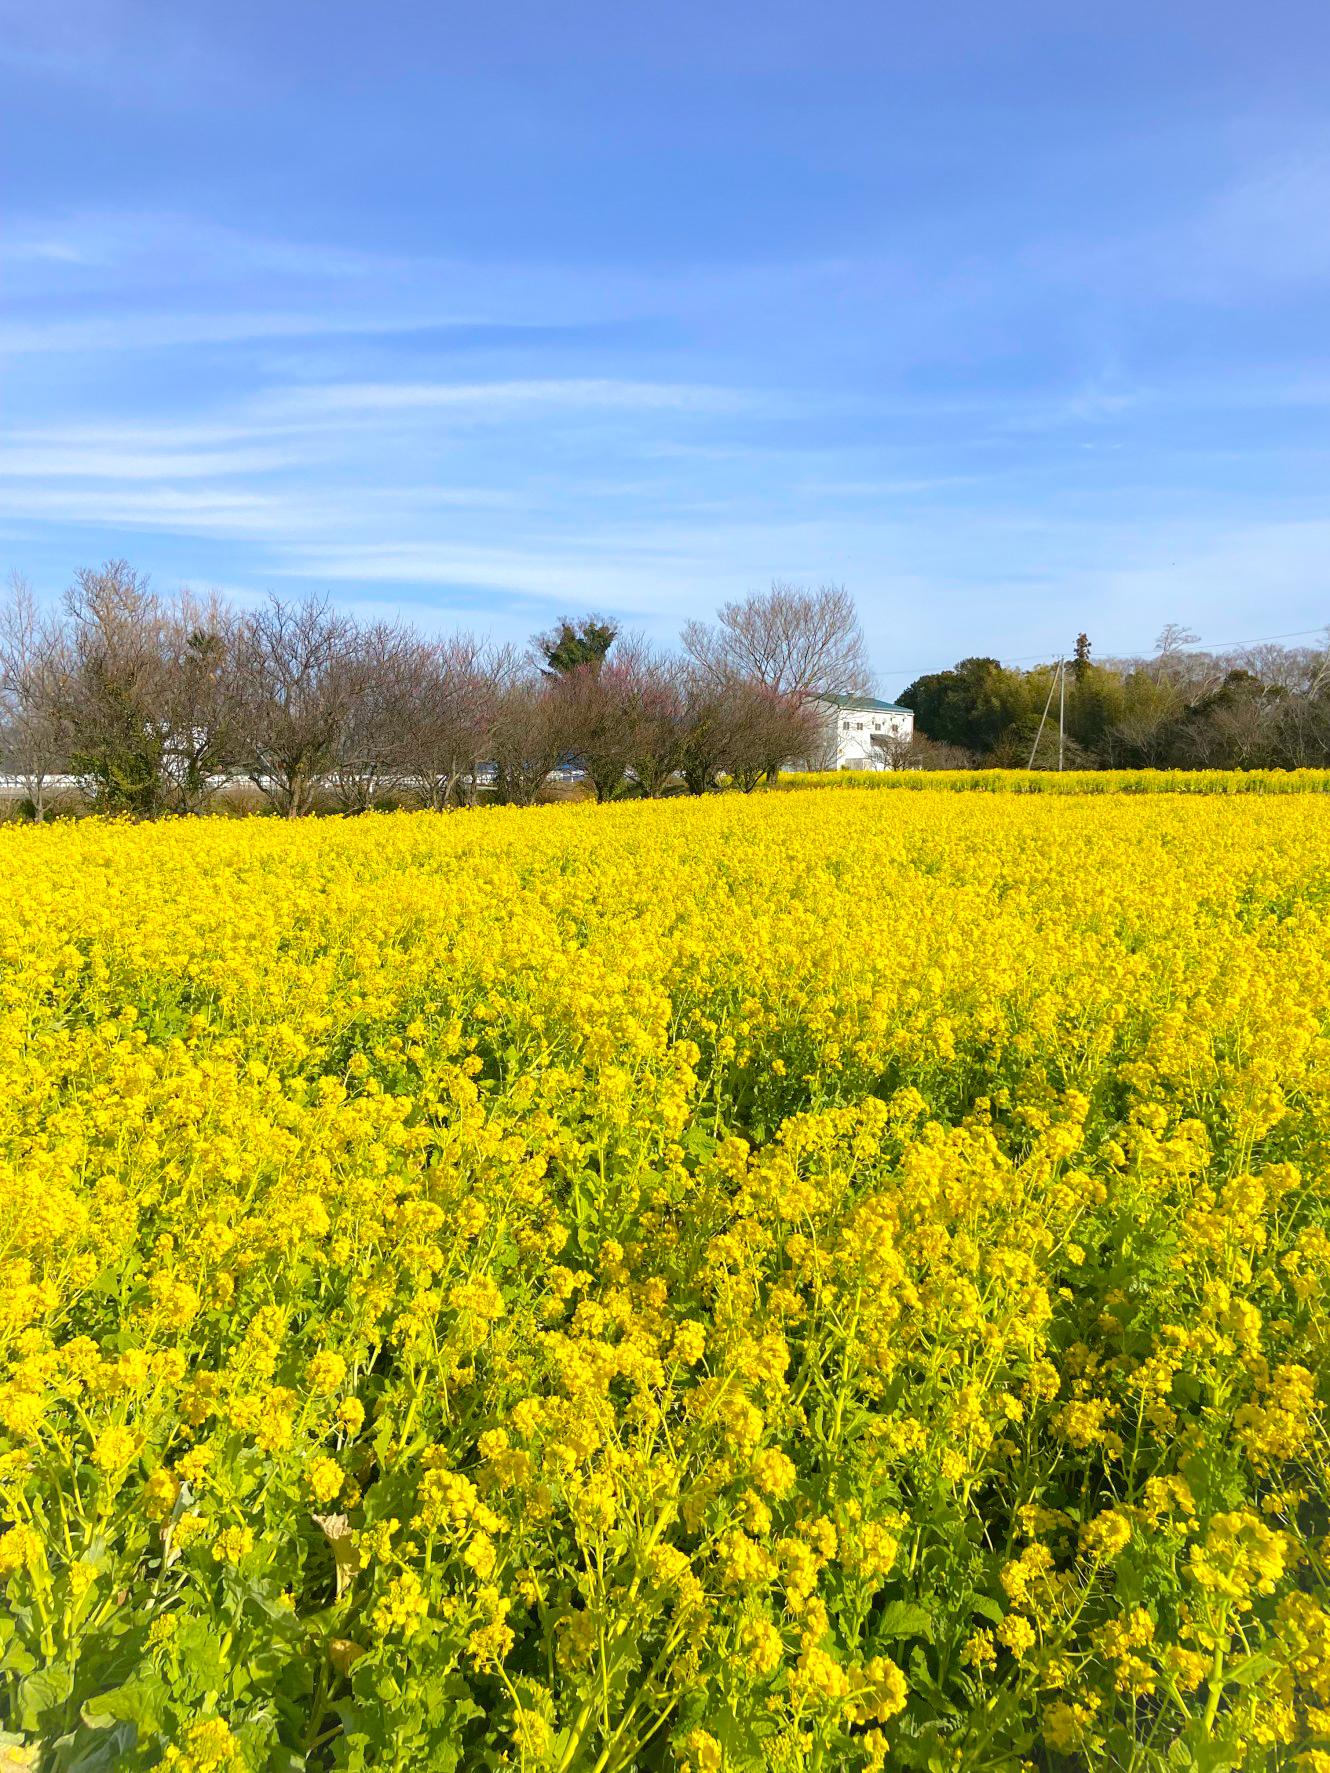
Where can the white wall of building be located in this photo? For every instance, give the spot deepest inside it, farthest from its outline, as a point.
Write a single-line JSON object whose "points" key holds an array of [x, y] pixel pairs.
{"points": [[850, 734]]}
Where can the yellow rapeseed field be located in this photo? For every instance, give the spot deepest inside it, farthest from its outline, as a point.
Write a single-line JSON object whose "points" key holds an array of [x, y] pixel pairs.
{"points": [[1045, 781], [813, 1281]]}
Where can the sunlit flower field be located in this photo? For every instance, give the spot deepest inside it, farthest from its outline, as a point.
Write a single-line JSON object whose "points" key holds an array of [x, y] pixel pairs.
{"points": [[813, 1281], [1047, 781]]}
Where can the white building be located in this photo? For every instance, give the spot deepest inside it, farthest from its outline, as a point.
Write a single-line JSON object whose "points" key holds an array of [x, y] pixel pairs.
{"points": [[861, 733]]}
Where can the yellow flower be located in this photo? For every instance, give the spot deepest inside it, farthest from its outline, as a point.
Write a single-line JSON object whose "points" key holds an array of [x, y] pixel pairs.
{"points": [[480, 1297], [880, 1691], [325, 1478], [1240, 1558], [350, 1415], [761, 1646], [326, 1371], [20, 1549], [1106, 1536], [207, 1747], [979, 1652], [160, 1494], [402, 1608], [818, 1676], [1067, 1727], [774, 1472], [703, 1753], [232, 1544], [113, 1449], [1017, 1634]]}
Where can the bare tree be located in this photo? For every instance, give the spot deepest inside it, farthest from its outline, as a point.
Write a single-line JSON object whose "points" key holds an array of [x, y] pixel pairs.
{"points": [[658, 728], [369, 760], [1318, 681], [763, 729], [115, 689], [1293, 669], [792, 640], [34, 667], [453, 690], [1194, 672], [1172, 638], [595, 707], [299, 672], [1241, 733], [704, 730], [527, 740], [894, 751], [199, 703], [919, 753], [1302, 732]]}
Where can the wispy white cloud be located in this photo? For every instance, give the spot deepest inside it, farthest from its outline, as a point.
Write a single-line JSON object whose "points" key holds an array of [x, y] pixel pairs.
{"points": [[105, 462], [375, 462], [207, 512], [118, 280], [500, 399], [43, 251], [311, 430], [925, 485], [297, 515], [644, 580], [166, 434], [154, 329], [179, 248]]}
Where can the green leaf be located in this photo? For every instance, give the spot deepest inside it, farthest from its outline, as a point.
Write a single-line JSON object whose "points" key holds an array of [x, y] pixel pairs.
{"points": [[196, 1645], [699, 1143], [1214, 1757], [17, 1660], [905, 1619], [39, 1694], [140, 1702], [111, 1747]]}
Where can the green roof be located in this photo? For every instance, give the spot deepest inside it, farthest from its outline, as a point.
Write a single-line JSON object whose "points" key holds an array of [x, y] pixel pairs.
{"points": [[864, 705]]}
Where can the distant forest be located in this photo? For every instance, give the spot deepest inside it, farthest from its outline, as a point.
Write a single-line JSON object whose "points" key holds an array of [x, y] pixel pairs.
{"points": [[1265, 706]]}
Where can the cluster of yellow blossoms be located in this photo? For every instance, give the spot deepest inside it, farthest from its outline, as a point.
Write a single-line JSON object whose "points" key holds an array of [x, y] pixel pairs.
{"points": [[989, 781], [805, 1282]]}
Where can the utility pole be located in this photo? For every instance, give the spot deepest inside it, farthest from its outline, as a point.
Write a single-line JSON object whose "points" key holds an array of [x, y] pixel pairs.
{"points": [[1053, 682], [1062, 706]]}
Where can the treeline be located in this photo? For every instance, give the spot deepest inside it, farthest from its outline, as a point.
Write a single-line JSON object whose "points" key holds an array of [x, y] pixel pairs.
{"points": [[153, 704], [1260, 707]]}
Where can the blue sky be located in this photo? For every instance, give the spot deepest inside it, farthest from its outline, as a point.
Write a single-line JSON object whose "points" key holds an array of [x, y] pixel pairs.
{"points": [[1011, 319]]}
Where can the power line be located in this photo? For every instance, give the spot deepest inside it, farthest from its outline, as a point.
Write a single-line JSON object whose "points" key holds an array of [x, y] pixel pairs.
{"points": [[1186, 646], [915, 670], [1260, 640]]}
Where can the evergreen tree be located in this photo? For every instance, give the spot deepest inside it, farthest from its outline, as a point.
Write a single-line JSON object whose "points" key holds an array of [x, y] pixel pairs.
{"points": [[571, 645]]}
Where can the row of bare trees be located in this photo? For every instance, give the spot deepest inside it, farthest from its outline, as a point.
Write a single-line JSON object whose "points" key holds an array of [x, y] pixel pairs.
{"points": [[152, 704]]}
